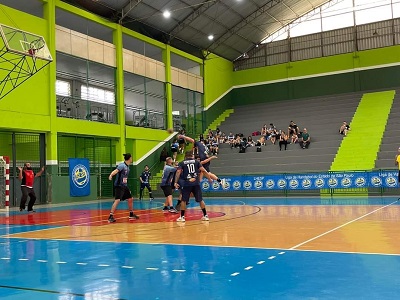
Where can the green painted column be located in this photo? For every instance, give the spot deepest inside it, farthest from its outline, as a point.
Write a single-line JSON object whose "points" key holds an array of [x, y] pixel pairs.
{"points": [[49, 13], [119, 92], [168, 87]]}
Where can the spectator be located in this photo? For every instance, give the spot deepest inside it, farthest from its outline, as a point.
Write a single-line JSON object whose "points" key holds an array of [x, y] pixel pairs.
{"points": [[242, 145], [250, 142], [305, 139], [344, 129], [272, 133], [293, 129], [261, 141], [222, 138], [264, 130], [283, 140], [214, 146], [230, 138], [174, 149]]}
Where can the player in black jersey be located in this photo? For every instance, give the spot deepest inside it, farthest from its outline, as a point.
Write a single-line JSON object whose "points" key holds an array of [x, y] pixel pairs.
{"points": [[189, 170], [144, 182]]}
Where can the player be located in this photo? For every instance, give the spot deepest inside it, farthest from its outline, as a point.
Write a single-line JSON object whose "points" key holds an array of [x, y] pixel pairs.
{"points": [[121, 189], [167, 180], [27, 177], [190, 170], [144, 182]]}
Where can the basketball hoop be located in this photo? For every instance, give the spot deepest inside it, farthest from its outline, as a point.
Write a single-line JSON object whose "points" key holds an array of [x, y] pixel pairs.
{"points": [[35, 46]]}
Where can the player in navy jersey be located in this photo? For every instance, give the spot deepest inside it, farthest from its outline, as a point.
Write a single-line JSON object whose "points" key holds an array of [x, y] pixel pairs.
{"points": [[121, 189], [144, 182], [189, 170], [166, 185]]}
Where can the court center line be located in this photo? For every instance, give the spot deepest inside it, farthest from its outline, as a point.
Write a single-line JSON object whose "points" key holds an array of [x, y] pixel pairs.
{"points": [[338, 227]]}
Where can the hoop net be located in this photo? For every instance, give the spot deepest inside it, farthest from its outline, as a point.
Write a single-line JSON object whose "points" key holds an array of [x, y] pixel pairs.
{"points": [[4, 183]]}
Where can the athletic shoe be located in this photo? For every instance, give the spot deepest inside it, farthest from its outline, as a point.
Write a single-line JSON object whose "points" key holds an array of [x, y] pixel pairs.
{"points": [[31, 211], [165, 209], [132, 216], [173, 210], [205, 218], [181, 219], [223, 182], [111, 219]]}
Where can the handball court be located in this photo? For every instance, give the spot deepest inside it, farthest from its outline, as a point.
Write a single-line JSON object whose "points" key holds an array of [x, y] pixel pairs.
{"points": [[252, 248]]}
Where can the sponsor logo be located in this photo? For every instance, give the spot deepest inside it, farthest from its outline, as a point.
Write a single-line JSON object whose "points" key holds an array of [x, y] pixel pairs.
{"points": [[391, 181], [346, 182], [360, 181], [270, 184], [205, 185], [293, 183], [247, 184], [237, 185], [306, 183], [319, 183], [258, 184], [80, 176], [227, 185], [282, 183], [332, 182], [376, 181], [215, 185]]}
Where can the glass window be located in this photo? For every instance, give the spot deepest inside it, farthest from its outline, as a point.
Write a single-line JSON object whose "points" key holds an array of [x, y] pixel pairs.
{"points": [[63, 88], [95, 94]]}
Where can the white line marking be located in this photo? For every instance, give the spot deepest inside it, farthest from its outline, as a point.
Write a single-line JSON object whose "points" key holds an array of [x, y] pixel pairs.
{"points": [[338, 227], [271, 257], [206, 272], [5, 258], [235, 274], [153, 269], [178, 270], [102, 265], [61, 262], [127, 267], [82, 264], [261, 262], [42, 260], [23, 259], [248, 268], [280, 253], [111, 280]]}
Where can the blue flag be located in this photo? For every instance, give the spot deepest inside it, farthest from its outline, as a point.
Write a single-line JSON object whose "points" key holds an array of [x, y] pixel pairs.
{"points": [[79, 177]]}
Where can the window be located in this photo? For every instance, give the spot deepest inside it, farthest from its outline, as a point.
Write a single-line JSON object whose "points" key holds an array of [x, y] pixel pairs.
{"points": [[95, 94], [63, 88]]}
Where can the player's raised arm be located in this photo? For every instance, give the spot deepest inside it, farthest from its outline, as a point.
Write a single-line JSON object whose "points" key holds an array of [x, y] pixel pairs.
{"points": [[186, 138]]}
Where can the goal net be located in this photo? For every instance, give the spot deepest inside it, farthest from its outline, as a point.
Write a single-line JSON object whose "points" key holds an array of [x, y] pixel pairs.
{"points": [[4, 183]]}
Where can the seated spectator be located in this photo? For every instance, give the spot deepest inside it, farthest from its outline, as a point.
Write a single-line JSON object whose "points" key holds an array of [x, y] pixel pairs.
{"points": [[283, 140], [230, 138], [293, 129], [201, 137], [214, 147], [222, 138], [305, 139], [250, 142], [261, 141], [264, 130], [210, 134], [294, 139], [242, 145], [344, 129], [236, 141], [272, 133]]}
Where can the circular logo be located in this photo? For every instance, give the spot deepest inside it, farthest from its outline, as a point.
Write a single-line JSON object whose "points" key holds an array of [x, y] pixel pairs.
{"points": [[319, 183], [332, 182], [282, 183], [226, 186], [270, 184], [258, 184], [306, 183], [205, 185], [391, 181], [247, 184], [236, 185], [360, 181], [346, 182], [215, 185], [80, 176], [376, 181], [293, 183]]}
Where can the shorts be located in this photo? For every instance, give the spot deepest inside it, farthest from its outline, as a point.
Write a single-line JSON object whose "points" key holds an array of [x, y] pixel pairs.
{"points": [[145, 184], [122, 193], [206, 167], [167, 189], [195, 189]]}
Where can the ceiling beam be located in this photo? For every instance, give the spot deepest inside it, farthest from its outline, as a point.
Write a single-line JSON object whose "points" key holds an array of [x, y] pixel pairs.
{"points": [[261, 10], [128, 8]]}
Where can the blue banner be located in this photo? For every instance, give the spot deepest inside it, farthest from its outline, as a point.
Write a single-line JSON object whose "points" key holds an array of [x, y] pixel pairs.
{"points": [[79, 177], [311, 181]]}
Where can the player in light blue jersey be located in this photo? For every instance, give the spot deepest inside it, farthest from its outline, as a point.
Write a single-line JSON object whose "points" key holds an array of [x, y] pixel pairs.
{"points": [[121, 189], [166, 185]]}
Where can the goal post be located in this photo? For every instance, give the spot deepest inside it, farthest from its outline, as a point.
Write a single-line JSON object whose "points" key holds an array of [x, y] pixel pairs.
{"points": [[4, 183]]}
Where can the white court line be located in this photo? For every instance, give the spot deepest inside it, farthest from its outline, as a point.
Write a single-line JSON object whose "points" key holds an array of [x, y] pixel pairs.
{"points": [[207, 272], [248, 268], [152, 269], [261, 262], [176, 270], [338, 227], [235, 274], [271, 257]]}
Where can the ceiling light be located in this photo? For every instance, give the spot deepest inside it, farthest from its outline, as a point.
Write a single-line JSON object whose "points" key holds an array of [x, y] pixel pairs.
{"points": [[210, 37], [166, 14]]}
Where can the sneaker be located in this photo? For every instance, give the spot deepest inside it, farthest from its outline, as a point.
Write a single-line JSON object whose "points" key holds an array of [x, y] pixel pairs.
{"points": [[132, 216], [173, 210], [165, 209], [111, 219], [181, 219], [223, 182], [205, 218], [31, 211]]}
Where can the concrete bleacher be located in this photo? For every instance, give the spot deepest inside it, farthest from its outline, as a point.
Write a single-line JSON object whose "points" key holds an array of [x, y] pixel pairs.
{"points": [[322, 116], [390, 141]]}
